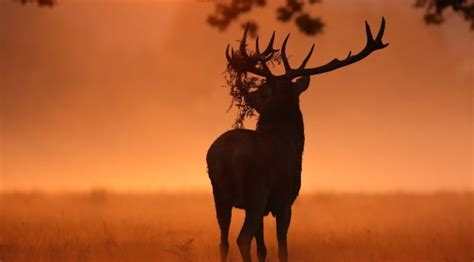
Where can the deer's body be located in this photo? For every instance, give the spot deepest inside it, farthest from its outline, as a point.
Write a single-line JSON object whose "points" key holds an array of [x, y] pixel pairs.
{"points": [[266, 163], [260, 170]]}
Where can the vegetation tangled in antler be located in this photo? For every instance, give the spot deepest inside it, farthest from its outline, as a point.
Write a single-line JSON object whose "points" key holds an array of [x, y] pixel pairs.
{"points": [[237, 82], [240, 82]]}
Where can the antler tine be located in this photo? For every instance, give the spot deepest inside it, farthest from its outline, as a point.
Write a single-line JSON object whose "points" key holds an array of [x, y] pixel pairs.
{"points": [[243, 43], [370, 37], [269, 49], [230, 56], [227, 55], [306, 59], [266, 55], [257, 49], [284, 57], [379, 36]]}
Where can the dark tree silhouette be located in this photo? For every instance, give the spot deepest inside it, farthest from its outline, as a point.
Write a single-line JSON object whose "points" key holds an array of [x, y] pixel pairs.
{"points": [[436, 8], [260, 170], [227, 12], [41, 3], [293, 10], [296, 11]]}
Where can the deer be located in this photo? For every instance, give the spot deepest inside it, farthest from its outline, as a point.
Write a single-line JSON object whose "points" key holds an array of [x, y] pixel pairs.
{"points": [[259, 170]]}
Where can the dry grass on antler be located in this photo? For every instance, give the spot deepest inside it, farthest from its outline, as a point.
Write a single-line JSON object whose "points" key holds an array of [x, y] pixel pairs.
{"points": [[240, 81], [237, 83]]}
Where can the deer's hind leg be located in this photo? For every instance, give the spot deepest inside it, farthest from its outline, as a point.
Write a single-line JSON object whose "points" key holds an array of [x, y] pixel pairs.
{"points": [[261, 248], [224, 215], [254, 212]]}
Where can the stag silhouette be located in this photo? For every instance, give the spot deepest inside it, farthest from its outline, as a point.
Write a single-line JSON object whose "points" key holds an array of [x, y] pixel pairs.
{"points": [[260, 170]]}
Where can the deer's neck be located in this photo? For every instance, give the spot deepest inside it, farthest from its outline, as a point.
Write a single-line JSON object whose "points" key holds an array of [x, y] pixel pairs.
{"points": [[286, 127]]}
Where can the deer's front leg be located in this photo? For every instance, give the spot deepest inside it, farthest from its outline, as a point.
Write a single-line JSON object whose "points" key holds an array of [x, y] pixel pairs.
{"points": [[283, 222]]}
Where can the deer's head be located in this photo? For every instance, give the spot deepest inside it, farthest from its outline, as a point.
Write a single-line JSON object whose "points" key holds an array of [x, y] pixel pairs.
{"points": [[278, 92]]}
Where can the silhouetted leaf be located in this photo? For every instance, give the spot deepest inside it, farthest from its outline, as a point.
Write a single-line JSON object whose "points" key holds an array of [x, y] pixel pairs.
{"points": [[283, 14], [309, 25], [435, 10]]}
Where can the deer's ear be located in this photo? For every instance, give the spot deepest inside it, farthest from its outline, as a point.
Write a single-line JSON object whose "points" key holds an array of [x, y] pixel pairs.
{"points": [[302, 84]]}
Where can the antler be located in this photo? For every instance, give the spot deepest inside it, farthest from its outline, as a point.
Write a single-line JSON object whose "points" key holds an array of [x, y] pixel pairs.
{"points": [[255, 63], [371, 46]]}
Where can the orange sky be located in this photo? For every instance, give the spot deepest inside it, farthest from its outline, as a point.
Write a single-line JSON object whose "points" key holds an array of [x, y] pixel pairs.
{"points": [[128, 95]]}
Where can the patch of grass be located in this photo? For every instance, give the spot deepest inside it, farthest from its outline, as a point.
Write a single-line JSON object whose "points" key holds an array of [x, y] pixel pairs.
{"points": [[104, 226]]}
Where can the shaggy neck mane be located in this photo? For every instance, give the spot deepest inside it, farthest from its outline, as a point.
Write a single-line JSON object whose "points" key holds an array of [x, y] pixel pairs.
{"points": [[287, 126]]}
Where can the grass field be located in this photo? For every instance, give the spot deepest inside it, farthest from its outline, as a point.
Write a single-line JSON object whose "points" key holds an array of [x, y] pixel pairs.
{"points": [[100, 226]]}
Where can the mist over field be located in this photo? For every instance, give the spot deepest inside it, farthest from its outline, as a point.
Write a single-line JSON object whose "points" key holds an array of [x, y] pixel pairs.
{"points": [[104, 226]]}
